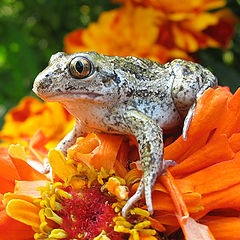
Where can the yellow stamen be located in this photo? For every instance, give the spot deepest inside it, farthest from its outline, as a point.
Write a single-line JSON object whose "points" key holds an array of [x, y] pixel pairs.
{"points": [[104, 173], [140, 212], [55, 186], [148, 231], [48, 212], [57, 234], [44, 228], [135, 234], [40, 236], [121, 229], [142, 225], [63, 194], [124, 223]]}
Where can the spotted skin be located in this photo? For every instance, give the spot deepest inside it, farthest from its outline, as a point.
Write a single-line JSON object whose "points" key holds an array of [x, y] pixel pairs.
{"points": [[129, 96]]}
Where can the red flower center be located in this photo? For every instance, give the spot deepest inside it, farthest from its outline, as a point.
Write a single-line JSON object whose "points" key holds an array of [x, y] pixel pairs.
{"points": [[87, 214]]}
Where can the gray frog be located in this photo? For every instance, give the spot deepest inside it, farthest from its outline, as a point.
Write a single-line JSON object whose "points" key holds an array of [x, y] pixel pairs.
{"points": [[130, 96]]}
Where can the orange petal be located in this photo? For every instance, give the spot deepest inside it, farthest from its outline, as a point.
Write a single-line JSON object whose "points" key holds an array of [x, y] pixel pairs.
{"points": [[24, 212], [211, 106], [114, 187], [6, 186], [234, 141], [162, 201], [105, 154], [84, 145], [10, 196], [120, 169], [37, 146], [8, 170], [12, 229], [133, 176], [226, 199], [223, 228], [193, 230], [216, 150], [177, 198], [29, 188], [232, 117], [166, 218], [26, 172], [208, 180], [124, 153]]}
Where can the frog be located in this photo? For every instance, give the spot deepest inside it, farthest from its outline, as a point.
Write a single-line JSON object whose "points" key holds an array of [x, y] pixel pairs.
{"points": [[129, 96]]}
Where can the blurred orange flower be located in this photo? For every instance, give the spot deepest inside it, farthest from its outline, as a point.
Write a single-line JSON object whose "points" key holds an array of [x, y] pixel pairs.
{"points": [[30, 115], [202, 190], [156, 30]]}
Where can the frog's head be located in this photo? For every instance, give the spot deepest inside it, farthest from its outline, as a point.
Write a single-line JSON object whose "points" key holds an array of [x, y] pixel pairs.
{"points": [[85, 76]]}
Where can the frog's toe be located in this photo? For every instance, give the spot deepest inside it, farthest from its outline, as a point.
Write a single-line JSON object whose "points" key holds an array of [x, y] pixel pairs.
{"points": [[138, 194], [148, 197], [166, 164], [187, 121], [46, 166]]}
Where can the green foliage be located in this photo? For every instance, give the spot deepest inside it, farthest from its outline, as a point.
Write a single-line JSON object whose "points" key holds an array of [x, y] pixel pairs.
{"points": [[31, 31]]}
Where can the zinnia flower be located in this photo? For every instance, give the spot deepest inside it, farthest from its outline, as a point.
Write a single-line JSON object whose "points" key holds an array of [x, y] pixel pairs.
{"points": [[156, 30], [88, 190]]}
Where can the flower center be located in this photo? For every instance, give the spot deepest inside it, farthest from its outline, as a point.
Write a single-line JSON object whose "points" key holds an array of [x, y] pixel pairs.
{"points": [[87, 213]]}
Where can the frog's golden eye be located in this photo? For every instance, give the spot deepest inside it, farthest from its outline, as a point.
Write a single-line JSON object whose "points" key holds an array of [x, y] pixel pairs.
{"points": [[80, 67]]}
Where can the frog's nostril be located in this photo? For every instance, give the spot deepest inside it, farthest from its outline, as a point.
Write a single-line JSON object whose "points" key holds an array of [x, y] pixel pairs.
{"points": [[41, 84]]}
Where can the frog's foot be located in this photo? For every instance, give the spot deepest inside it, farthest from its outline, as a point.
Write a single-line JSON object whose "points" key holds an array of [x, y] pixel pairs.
{"points": [[187, 121], [138, 194], [145, 187], [166, 164]]}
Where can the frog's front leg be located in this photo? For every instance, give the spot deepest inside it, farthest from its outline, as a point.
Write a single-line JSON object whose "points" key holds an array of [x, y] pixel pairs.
{"points": [[207, 84], [150, 142], [70, 138], [65, 143]]}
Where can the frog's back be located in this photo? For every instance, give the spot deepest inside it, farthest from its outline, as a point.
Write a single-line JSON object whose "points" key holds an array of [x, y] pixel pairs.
{"points": [[152, 88]]}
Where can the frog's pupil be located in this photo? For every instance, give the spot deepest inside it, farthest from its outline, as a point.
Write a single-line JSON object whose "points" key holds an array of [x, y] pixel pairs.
{"points": [[79, 66]]}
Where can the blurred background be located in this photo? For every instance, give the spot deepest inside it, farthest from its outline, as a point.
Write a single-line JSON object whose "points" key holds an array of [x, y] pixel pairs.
{"points": [[31, 31]]}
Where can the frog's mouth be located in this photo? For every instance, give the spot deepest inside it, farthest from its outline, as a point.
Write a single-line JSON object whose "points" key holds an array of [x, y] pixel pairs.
{"points": [[61, 97]]}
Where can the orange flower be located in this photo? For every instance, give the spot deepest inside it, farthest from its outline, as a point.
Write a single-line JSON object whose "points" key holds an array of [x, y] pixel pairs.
{"points": [[171, 30], [190, 25], [30, 115], [127, 22]]}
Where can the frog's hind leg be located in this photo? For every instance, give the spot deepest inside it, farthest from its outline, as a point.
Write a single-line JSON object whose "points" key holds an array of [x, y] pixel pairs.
{"points": [[150, 142]]}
